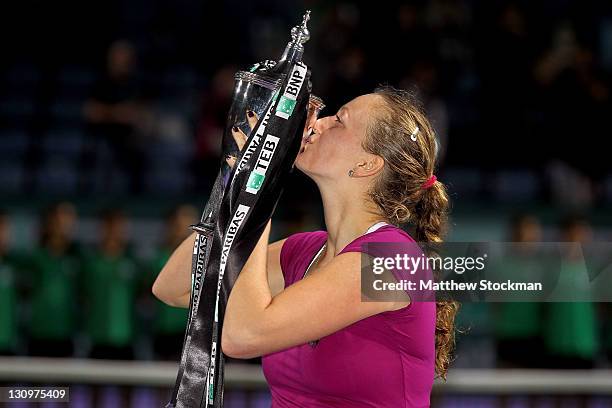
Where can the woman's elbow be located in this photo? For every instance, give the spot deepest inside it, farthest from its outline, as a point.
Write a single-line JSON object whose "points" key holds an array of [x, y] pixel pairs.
{"points": [[239, 343], [160, 293]]}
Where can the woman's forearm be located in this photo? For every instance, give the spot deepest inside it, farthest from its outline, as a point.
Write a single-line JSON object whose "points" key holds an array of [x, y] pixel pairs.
{"points": [[250, 297], [173, 284]]}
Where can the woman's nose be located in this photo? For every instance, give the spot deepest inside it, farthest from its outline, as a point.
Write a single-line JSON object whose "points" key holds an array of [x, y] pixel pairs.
{"points": [[321, 124]]}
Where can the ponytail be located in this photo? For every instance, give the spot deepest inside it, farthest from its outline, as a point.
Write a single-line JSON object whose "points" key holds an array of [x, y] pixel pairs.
{"points": [[406, 191]]}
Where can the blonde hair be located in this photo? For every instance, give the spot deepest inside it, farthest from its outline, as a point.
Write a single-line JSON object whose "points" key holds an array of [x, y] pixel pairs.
{"points": [[401, 134]]}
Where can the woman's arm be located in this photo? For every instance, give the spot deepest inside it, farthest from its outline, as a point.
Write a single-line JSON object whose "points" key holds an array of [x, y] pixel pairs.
{"points": [[276, 280], [173, 284], [258, 322]]}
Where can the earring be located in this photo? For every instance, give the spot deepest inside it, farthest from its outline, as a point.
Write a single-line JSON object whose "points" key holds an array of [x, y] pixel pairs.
{"points": [[351, 172]]}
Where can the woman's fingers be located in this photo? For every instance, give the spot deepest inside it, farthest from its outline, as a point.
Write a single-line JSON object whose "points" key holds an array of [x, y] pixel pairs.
{"points": [[252, 118], [231, 160], [239, 137]]}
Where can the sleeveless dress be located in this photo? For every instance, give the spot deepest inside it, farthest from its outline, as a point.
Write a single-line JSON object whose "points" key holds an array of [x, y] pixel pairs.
{"points": [[386, 360]]}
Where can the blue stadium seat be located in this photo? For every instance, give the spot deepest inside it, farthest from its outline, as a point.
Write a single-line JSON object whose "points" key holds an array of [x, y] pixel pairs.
{"points": [[468, 181], [12, 176], [21, 79], [67, 111], [75, 82], [13, 143], [105, 178], [607, 186], [57, 176], [168, 180], [64, 142], [76, 75], [143, 397], [516, 185], [17, 109], [180, 79], [170, 152], [235, 398]]}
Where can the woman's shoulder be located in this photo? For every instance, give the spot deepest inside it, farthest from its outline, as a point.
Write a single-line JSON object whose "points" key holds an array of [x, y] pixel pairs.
{"points": [[386, 234], [297, 251], [300, 240]]}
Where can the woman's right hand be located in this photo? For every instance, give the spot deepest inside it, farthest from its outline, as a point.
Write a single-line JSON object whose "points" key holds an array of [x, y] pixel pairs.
{"points": [[252, 119], [240, 137], [173, 284]]}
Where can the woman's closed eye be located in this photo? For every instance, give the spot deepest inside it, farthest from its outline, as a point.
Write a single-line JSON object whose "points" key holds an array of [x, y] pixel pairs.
{"points": [[338, 119]]}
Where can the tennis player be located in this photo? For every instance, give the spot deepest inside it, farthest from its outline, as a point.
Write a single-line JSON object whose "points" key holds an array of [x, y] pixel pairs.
{"points": [[298, 301]]}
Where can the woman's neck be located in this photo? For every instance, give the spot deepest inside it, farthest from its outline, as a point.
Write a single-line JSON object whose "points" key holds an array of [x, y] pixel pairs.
{"points": [[348, 215]]}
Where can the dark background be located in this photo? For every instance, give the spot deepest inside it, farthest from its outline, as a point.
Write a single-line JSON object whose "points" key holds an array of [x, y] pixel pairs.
{"points": [[518, 92]]}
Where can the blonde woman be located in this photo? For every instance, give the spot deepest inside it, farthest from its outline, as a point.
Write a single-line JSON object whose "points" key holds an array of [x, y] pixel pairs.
{"points": [[297, 302]]}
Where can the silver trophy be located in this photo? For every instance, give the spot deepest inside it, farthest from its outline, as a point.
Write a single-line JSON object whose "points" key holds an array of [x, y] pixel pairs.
{"points": [[254, 89], [200, 378]]}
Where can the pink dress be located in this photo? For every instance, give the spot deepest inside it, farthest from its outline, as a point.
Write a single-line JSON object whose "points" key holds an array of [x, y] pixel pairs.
{"points": [[386, 360]]}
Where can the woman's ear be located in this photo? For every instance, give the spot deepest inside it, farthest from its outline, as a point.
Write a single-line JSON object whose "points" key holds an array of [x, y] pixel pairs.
{"points": [[369, 167]]}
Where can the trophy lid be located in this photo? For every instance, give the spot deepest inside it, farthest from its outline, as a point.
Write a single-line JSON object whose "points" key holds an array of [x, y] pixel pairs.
{"points": [[295, 48], [293, 53]]}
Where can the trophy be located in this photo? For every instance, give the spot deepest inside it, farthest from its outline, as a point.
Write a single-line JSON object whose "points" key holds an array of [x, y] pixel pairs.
{"points": [[241, 202], [254, 89]]}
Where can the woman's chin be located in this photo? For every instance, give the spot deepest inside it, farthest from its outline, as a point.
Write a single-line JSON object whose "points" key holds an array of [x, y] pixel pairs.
{"points": [[303, 148], [299, 161], [305, 157]]}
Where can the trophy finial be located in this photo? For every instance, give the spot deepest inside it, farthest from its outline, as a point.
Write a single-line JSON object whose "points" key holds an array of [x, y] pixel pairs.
{"points": [[305, 19], [300, 34]]}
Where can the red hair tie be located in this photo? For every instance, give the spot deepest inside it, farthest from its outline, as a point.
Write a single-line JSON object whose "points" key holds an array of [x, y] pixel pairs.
{"points": [[430, 182]]}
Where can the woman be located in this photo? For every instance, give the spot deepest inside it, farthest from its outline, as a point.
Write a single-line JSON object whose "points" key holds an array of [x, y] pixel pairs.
{"points": [[321, 345]]}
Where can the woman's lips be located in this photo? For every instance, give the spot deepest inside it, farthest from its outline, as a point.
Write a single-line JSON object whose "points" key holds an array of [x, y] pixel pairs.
{"points": [[308, 139], [305, 141]]}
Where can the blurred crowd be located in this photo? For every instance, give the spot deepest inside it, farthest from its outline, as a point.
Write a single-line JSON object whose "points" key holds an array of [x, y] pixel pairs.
{"points": [[522, 334], [64, 297], [517, 91], [126, 102]]}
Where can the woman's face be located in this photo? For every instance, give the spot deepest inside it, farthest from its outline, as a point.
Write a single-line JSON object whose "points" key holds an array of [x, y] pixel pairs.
{"points": [[335, 147]]}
